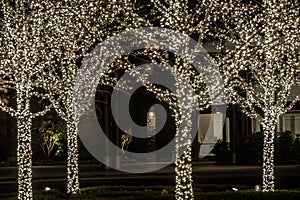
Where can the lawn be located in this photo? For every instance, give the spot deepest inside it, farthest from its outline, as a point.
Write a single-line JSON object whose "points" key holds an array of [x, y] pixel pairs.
{"points": [[203, 192]]}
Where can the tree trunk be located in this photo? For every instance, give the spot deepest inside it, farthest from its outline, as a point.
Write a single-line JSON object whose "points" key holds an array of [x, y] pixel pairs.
{"points": [[72, 161], [269, 126], [183, 169], [183, 121], [183, 161], [24, 158], [24, 151]]}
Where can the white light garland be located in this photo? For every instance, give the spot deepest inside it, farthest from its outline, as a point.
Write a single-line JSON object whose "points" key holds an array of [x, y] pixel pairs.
{"points": [[262, 65], [35, 37], [190, 19], [20, 65], [73, 28], [41, 46]]}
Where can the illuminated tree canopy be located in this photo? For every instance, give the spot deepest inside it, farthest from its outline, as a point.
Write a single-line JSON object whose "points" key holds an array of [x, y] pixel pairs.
{"points": [[42, 44], [260, 63]]}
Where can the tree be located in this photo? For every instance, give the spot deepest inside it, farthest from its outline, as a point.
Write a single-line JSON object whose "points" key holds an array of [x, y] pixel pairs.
{"points": [[73, 29], [49, 134], [126, 140], [262, 66], [192, 18], [22, 62]]}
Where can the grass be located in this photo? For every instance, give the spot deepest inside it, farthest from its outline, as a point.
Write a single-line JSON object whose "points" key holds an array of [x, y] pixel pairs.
{"points": [[203, 192]]}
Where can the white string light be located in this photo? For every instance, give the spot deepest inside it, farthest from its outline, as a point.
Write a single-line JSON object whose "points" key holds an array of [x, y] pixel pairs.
{"points": [[35, 36], [262, 67], [75, 27], [21, 62], [266, 37], [190, 19]]}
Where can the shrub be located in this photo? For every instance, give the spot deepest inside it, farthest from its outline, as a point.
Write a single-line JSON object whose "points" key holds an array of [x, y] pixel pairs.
{"points": [[203, 192], [249, 148], [283, 148]]}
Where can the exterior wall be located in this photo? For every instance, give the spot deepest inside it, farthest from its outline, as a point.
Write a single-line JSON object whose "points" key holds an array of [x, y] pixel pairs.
{"points": [[8, 138], [290, 122], [3, 136], [286, 122]]}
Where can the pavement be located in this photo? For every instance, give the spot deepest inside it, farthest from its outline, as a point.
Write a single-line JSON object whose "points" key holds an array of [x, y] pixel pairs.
{"points": [[287, 176]]}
